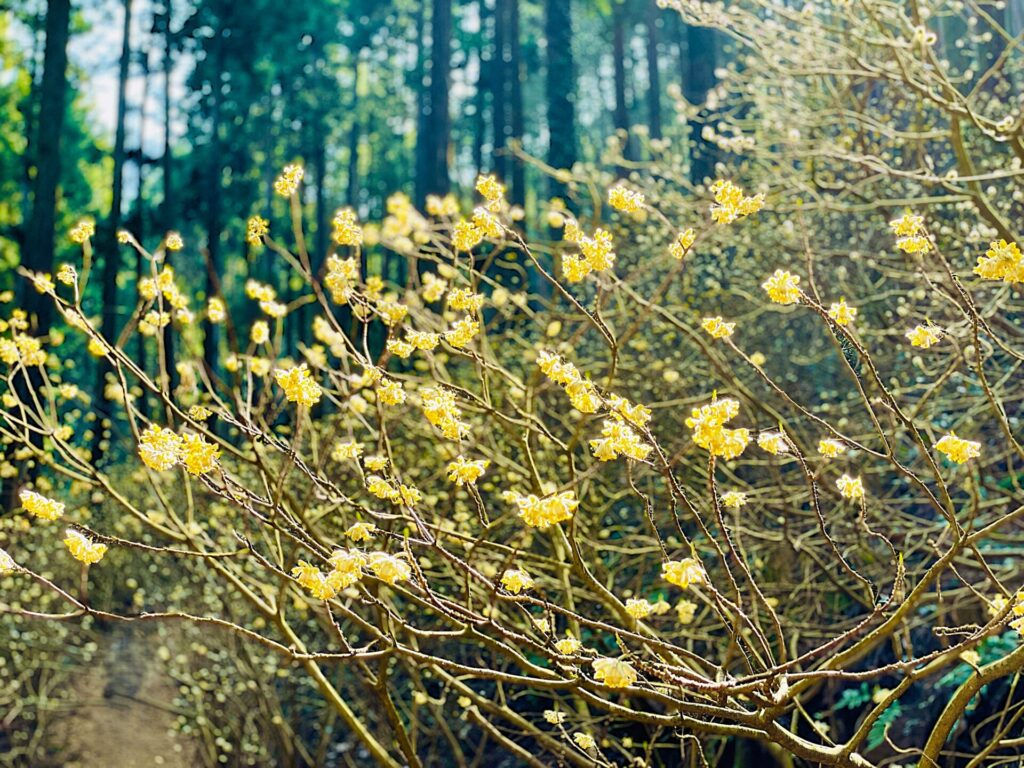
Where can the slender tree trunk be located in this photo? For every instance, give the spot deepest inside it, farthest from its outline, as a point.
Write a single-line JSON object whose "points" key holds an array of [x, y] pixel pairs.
{"points": [[108, 246], [698, 79], [211, 335], [422, 108], [138, 217], [483, 61], [168, 210], [653, 75], [560, 85], [518, 194], [499, 88], [39, 237], [620, 116], [354, 137], [440, 74]]}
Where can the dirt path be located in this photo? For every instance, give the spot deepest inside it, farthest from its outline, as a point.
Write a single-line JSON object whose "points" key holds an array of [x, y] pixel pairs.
{"points": [[124, 710]]}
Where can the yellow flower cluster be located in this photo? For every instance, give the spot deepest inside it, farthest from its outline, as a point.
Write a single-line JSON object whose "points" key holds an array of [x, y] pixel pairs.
{"points": [[544, 512], [614, 673], [492, 192], [717, 328], [618, 438], [957, 449], [462, 332], [734, 499], [173, 241], [731, 204], [829, 448], [683, 572], [924, 336], [166, 285], [422, 340], [623, 199], [341, 278], [82, 231], [27, 350], [82, 548], [360, 531], [462, 470], [909, 231], [850, 487], [216, 312], [197, 455], [256, 229], [465, 300], [515, 581], [433, 287], [40, 506], [298, 385], [389, 568], [400, 348], [638, 415], [842, 313], [390, 392], [441, 410], [679, 247], [159, 448], [442, 206], [487, 223], [346, 570], [7, 564], [403, 494], [288, 182], [466, 235], [1017, 611], [710, 432], [1002, 261], [596, 253], [782, 287], [639, 608], [345, 230], [773, 442], [582, 393]]}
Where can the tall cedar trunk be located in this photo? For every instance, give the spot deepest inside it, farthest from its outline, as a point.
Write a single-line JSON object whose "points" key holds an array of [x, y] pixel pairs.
{"points": [[107, 244], [432, 142], [698, 79], [499, 88], [354, 137], [138, 218], [422, 107], [560, 87], [169, 373], [37, 254], [515, 76], [213, 211], [653, 75], [620, 116], [480, 97], [39, 237]]}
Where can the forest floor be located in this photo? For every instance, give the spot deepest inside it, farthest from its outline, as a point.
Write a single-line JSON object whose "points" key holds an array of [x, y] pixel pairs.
{"points": [[124, 711]]}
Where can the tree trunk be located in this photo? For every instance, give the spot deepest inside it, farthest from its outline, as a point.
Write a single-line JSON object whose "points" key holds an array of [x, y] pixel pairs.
{"points": [[211, 333], [432, 141], [653, 75], [698, 79], [168, 209], [620, 116], [499, 88], [518, 193], [39, 237], [108, 246], [560, 86], [483, 62]]}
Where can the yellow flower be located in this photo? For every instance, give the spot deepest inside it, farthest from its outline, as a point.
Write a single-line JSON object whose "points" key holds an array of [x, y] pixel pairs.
{"points": [[515, 581], [7, 564], [623, 199], [924, 336], [346, 567], [433, 287], [685, 611], [288, 182], [256, 229], [619, 439], [679, 247], [957, 449], [731, 204], [1002, 261], [773, 442], [375, 463], [423, 340], [584, 740], [173, 241], [40, 506], [159, 448], [717, 328], [199, 413], [830, 448], [347, 450], [382, 489], [553, 717], [638, 607], [637, 414], [400, 348], [361, 531], [82, 231], [615, 673], [547, 511], [683, 572], [322, 586], [462, 471], [462, 332], [465, 300], [82, 548], [389, 568], [391, 392], [260, 332], [197, 455], [782, 287], [492, 192], [850, 487], [709, 432], [442, 206], [298, 386], [466, 235], [568, 645], [842, 313], [909, 231], [734, 499], [345, 229], [215, 310], [67, 274]]}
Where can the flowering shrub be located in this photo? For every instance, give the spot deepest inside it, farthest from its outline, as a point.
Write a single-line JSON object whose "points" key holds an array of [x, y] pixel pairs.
{"points": [[714, 468]]}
